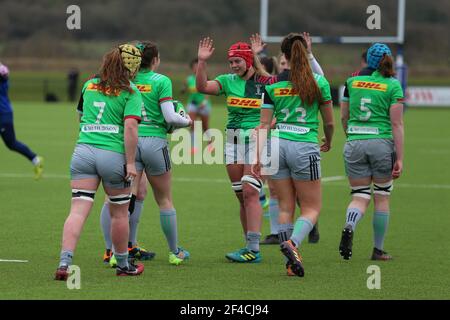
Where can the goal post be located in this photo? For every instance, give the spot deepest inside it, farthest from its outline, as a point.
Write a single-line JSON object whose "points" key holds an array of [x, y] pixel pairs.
{"points": [[399, 38]]}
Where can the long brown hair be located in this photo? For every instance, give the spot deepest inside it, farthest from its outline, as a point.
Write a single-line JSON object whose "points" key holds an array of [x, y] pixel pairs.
{"points": [[386, 67], [149, 51], [114, 76], [301, 76], [259, 69]]}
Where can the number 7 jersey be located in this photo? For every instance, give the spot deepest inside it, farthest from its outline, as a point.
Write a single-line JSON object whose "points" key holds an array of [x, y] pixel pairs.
{"points": [[103, 116], [370, 98]]}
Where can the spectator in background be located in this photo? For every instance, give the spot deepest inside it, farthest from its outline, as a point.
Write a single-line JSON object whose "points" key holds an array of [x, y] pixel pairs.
{"points": [[72, 84]]}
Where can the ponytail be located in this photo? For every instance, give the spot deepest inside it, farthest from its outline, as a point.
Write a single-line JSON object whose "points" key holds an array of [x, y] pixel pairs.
{"points": [[301, 76], [114, 76], [386, 67]]}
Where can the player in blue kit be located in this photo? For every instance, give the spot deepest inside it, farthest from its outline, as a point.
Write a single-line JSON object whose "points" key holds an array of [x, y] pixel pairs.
{"points": [[7, 125]]}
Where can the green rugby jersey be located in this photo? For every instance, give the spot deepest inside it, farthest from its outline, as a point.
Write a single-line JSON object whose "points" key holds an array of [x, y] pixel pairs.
{"points": [[295, 120], [103, 116], [243, 99], [155, 88], [370, 98], [195, 97]]}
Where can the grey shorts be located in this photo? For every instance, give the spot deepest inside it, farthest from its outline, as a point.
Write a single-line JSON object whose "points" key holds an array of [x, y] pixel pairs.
{"points": [[203, 109], [153, 155], [91, 162], [369, 158], [240, 153], [298, 160]]}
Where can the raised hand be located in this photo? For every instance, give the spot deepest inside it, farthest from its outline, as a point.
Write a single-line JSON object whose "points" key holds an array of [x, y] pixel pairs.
{"points": [[257, 44], [308, 41], [205, 49]]}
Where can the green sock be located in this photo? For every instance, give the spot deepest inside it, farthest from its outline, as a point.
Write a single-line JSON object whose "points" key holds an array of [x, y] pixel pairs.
{"points": [[302, 228], [168, 219], [122, 259], [380, 225], [65, 258], [253, 241]]}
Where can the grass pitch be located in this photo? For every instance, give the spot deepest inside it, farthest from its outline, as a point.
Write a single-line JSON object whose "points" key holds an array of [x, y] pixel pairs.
{"points": [[33, 213]]}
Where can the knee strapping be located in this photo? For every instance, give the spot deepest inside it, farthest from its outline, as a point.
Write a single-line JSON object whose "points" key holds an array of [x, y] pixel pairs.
{"points": [[383, 189], [253, 182], [362, 192], [120, 199], [237, 187], [87, 195]]}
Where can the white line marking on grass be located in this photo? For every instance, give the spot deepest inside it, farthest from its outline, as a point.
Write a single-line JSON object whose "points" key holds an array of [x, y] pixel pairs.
{"points": [[333, 179], [19, 261], [27, 176], [177, 179]]}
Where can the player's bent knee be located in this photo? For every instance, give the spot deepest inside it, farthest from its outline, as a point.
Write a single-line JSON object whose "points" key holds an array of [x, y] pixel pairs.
{"points": [[119, 199], [383, 189], [361, 192], [86, 195]]}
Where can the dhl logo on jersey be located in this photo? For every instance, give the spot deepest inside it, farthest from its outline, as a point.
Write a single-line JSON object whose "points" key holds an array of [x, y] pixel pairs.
{"points": [[94, 87], [369, 85], [285, 92], [243, 102], [144, 88]]}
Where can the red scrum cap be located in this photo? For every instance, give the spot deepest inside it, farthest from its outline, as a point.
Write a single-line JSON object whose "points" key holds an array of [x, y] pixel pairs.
{"points": [[242, 50]]}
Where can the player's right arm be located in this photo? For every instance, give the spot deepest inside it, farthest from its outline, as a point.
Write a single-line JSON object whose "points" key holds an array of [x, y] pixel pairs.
{"points": [[345, 114], [345, 111], [132, 117], [205, 51]]}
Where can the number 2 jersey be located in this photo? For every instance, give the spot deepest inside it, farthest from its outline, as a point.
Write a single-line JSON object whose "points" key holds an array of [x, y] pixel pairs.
{"points": [[103, 116], [370, 97], [296, 121]]}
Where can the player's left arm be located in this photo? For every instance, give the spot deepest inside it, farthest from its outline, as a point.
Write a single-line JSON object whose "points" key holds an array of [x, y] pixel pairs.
{"points": [[4, 72], [132, 117], [396, 117], [345, 111], [326, 112], [315, 66]]}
